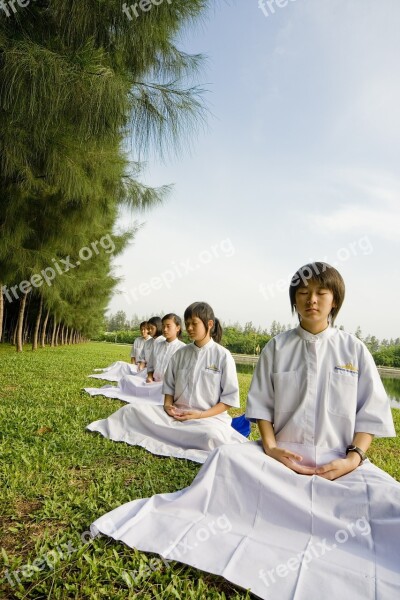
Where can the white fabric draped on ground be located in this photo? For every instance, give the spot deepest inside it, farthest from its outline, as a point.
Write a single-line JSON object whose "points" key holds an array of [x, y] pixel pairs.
{"points": [[283, 535], [117, 370], [131, 389], [141, 424]]}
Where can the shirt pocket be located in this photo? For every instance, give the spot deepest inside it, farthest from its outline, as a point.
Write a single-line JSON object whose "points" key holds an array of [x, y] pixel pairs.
{"points": [[342, 394], [287, 395], [210, 385]]}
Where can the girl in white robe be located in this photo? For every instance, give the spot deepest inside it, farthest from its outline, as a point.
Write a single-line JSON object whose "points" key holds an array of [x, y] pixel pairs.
{"points": [[302, 514], [120, 368], [200, 384], [154, 325], [138, 344], [131, 388]]}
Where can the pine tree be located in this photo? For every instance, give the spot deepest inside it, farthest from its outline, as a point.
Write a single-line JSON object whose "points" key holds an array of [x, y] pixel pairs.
{"points": [[77, 79]]}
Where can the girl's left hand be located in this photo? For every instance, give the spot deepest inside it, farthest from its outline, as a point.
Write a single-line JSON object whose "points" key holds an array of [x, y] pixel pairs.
{"points": [[339, 467], [187, 415]]}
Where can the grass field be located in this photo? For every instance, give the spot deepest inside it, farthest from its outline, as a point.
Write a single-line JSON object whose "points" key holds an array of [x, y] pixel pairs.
{"points": [[57, 478]]}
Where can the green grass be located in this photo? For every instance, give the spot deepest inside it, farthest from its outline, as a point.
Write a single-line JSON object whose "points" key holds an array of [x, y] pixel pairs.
{"points": [[57, 478]]}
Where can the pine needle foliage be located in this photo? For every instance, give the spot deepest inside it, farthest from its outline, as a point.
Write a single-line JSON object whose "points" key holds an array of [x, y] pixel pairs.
{"points": [[80, 82]]}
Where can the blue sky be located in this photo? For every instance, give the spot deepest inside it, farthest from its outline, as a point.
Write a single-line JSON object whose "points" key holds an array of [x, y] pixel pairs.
{"points": [[299, 161]]}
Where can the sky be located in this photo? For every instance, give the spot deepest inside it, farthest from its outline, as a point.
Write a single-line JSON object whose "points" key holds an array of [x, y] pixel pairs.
{"points": [[298, 162]]}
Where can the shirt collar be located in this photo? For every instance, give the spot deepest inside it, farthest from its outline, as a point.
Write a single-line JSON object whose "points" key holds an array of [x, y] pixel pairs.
{"points": [[311, 337], [208, 345]]}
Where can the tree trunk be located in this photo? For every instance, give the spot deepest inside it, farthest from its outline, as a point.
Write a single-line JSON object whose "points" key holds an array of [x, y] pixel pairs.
{"points": [[26, 334], [71, 336], [66, 336], [1, 310], [37, 325], [20, 323], [43, 340], [53, 335], [57, 334], [62, 335]]}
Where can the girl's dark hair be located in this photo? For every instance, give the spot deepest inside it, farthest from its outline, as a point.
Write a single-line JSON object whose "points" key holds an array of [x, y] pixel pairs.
{"points": [[177, 320], [143, 324], [205, 313], [157, 322], [326, 276]]}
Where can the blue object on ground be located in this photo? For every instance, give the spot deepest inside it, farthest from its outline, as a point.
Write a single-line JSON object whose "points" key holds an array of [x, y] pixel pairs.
{"points": [[242, 425]]}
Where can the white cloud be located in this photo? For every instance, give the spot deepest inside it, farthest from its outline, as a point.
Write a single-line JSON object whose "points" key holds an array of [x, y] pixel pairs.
{"points": [[373, 205], [360, 220]]}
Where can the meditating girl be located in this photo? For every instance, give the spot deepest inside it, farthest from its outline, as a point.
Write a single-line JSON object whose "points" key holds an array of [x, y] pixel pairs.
{"points": [[162, 352], [119, 369], [309, 515], [154, 326], [200, 384], [132, 388], [139, 343]]}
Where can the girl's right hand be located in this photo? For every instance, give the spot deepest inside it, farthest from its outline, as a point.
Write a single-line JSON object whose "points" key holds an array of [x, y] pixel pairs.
{"points": [[290, 460], [170, 410]]}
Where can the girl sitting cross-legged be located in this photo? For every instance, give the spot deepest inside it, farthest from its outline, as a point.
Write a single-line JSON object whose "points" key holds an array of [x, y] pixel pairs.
{"points": [[200, 384], [306, 515], [132, 388]]}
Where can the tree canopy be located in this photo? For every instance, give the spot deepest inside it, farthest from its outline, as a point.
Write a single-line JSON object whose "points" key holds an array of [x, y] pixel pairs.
{"points": [[84, 93]]}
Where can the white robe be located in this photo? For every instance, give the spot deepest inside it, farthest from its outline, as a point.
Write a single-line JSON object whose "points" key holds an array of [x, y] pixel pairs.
{"points": [[131, 388], [198, 378], [117, 370], [262, 526], [148, 348], [120, 369], [160, 356], [137, 347], [319, 389]]}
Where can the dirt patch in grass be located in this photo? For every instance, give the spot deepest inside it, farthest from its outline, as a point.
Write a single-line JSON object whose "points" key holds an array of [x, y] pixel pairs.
{"points": [[20, 532], [23, 508], [21, 538]]}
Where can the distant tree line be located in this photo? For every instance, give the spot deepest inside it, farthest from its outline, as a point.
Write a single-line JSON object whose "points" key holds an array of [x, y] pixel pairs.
{"points": [[239, 339], [246, 339], [386, 352]]}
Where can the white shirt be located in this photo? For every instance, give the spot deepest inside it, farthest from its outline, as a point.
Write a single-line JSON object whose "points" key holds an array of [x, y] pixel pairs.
{"points": [[199, 378], [319, 390], [137, 347], [160, 356], [148, 347]]}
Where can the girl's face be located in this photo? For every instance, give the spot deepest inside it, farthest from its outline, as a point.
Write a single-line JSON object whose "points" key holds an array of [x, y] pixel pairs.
{"points": [[314, 303], [144, 331], [152, 329], [197, 332], [170, 330]]}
